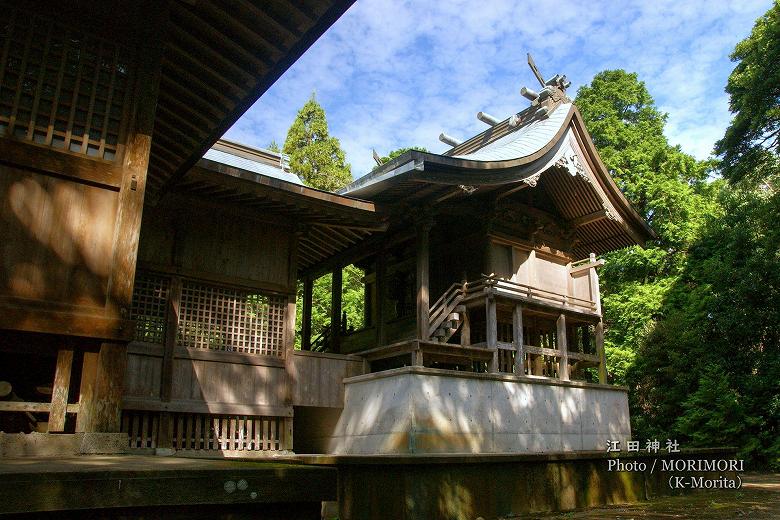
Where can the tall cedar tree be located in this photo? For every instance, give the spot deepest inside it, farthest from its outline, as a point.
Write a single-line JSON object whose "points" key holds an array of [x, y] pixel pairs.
{"points": [[708, 372], [751, 147], [666, 186], [315, 156]]}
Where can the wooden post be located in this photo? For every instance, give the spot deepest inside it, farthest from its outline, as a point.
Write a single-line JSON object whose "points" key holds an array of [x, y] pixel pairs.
{"points": [[600, 352], [138, 145], [563, 364], [381, 291], [465, 328], [292, 287], [491, 332], [517, 331], [60, 390], [335, 310], [308, 291], [102, 381], [423, 290], [595, 292], [171, 330]]}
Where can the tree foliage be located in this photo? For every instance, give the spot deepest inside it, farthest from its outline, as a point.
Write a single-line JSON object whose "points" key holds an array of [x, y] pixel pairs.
{"points": [[665, 185], [315, 156], [751, 145], [693, 319]]}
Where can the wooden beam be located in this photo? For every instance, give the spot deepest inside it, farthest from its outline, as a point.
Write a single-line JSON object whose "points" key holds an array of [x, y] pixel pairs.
{"points": [[308, 290], [335, 310], [563, 364], [599, 338], [491, 332], [517, 334], [24, 406], [423, 280], [60, 390], [587, 219]]}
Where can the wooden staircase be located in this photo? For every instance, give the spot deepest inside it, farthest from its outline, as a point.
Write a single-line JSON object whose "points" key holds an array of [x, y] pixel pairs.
{"points": [[446, 314]]}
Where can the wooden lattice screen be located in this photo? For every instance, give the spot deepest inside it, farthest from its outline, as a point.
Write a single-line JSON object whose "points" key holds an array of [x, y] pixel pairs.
{"points": [[150, 301], [220, 318], [194, 431], [210, 316], [60, 88]]}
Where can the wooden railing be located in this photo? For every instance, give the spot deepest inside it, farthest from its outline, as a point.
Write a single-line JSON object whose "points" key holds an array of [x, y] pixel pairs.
{"points": [[209, 432], [321, 343], [445, 305], [512, 289]]}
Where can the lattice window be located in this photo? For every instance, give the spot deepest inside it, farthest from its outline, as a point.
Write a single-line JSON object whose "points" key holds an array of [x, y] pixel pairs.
{"points": [[61, 88], [150, 302], [219, 318]]}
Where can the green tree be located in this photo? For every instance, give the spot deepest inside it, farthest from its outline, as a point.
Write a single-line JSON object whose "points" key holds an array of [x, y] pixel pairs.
{"points": [[719, 333], [667, 186], [315, 156], [751, 144]]}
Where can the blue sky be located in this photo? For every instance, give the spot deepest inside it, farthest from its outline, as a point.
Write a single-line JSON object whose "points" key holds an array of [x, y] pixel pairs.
{"points": [[392, 74]]}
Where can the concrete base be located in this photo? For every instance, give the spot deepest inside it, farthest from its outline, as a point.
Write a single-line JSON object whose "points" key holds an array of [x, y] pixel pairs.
{"points": [[424, 410], [14, 445]]}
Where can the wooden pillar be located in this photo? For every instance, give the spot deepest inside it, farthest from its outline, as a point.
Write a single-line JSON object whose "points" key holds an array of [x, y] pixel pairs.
{"points": [[563, 364], [517, 334], [465, 328], [171, 329], [60, 390], [595, 292], [600, 352], [102, 382], [308, 291], [491, 332], [380, 293], [335, 310], [292, 294], [165, 429], [423, 278]]}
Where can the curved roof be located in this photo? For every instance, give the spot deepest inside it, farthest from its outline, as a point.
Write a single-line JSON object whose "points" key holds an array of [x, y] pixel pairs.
{"points": [[526, 141], [552, 152]]}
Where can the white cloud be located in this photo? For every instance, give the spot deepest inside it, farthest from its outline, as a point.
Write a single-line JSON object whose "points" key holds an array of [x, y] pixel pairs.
{"points": [[392, 74]]}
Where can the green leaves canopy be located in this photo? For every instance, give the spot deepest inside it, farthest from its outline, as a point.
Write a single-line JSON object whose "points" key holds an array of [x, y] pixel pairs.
{"points": [[751, 145]]}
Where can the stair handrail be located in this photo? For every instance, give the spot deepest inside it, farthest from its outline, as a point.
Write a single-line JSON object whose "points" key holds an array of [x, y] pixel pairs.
{"points": [[444, 306]]}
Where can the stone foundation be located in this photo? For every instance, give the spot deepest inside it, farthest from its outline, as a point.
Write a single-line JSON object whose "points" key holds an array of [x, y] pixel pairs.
{"points": [[424, 410]]}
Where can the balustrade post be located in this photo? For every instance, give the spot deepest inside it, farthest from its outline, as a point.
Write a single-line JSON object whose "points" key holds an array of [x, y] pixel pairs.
{"points": [[517, 334], [308, 292], [491, 334], [563, 364], [600, 352], [335, 310]]}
